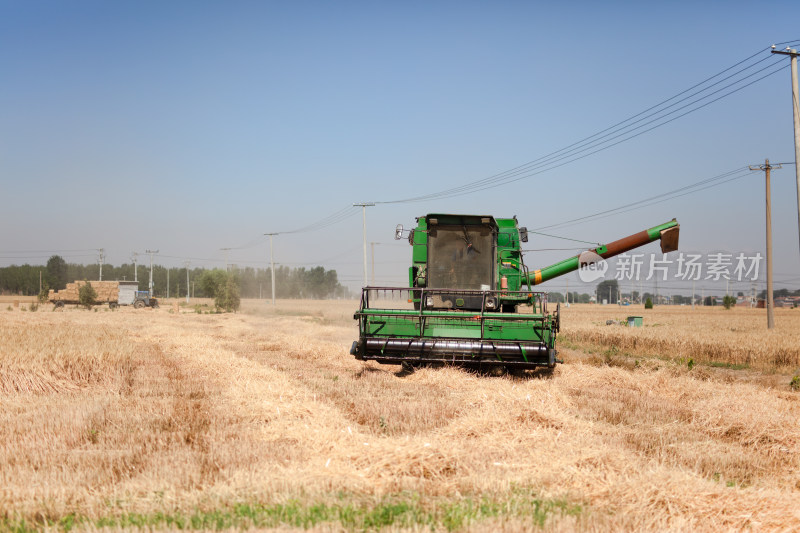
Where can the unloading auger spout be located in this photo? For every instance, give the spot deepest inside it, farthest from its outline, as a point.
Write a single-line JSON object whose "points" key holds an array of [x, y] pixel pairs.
{"points": [[668, 234]]}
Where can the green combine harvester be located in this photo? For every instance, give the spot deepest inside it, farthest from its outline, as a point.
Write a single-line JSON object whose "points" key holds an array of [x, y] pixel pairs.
{"points": [[469, 302]]}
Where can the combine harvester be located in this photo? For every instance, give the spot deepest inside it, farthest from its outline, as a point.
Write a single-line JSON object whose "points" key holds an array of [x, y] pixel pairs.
{"points": [[465, 290]]}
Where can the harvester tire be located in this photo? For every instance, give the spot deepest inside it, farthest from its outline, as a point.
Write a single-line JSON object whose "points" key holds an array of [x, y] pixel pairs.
{"points": [[154, 304], [138, 304], [545, 371], [59, 305], [496, 370], [407, 368], [113, 305]]}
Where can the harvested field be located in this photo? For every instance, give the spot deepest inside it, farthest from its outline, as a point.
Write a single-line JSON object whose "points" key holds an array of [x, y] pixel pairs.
{"points": [[734, 337], [157, 419]]}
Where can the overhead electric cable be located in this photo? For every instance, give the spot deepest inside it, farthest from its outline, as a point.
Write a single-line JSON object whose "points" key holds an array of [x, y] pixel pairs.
{"points": [[734, 178], [614, 132], [741, 170]]}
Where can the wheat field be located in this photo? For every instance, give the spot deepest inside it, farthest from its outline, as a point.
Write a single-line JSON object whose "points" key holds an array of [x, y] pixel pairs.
{"points": [[177, 419]]}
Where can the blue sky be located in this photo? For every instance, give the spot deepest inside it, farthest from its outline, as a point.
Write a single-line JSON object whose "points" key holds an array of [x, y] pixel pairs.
{"points": [[194, 126]]}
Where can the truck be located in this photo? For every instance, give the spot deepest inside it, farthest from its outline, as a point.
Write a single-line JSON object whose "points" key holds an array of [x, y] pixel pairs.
{"points": [[114, 293]]}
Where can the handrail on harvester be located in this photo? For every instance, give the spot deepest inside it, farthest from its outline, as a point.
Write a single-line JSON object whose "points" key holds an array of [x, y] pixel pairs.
{"points": [[668, 234], [481, 316]]}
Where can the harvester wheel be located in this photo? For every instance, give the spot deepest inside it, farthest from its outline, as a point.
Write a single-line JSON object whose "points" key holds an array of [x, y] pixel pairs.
{"points": [[407, 368], [497, 370], [154, 304], [59, 305], [545, 371], [113, 305], [138, 304]]}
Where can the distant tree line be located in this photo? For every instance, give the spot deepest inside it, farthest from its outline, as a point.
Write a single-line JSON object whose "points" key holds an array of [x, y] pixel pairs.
{"points": [[780, 293], [316, 282]]}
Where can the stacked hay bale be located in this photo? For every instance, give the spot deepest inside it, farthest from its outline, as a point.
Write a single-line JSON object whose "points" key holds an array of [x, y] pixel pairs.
{"points": [[107, 291]]}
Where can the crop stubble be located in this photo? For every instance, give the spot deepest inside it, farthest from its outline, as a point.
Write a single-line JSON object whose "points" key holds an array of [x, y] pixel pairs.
{"points": [[151, 411]]}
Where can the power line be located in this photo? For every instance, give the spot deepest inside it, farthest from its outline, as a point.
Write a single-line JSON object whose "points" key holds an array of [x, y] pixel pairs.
{"points": [[698, 186], [47, 251], [609, 134]]}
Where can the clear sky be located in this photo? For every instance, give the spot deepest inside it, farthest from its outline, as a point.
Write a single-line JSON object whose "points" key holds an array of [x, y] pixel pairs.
{"points": [[193, 126]]}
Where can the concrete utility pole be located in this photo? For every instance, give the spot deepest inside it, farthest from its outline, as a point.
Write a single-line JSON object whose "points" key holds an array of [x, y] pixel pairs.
{"points": [[102, 256], [226, 250], [372, 255], [792, 53], [364, 218], [186, 263], [134, 256], [150, 286], [766, 167], [272, 265]]}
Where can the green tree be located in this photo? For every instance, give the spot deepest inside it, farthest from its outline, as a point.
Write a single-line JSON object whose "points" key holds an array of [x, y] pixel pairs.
{"points": [[57, 272], [227, 296], [608, 290], [44, 294], [555, 297], [211, 281], [223, 287], [728, 301], [648, 304], [87, 296]]}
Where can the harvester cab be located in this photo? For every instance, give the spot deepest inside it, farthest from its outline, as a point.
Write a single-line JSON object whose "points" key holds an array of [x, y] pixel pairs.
{"points": [[470, 300]]}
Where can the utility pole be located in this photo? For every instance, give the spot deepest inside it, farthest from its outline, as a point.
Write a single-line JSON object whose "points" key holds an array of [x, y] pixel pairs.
{"points": [[272, 265], [656, 290], [150, 286], [792, 53], [693, 294], [766, 167], [134, 256], [186, 263], [226, 250], [167, 282], [102, 256], [364, 219], [372, 254]]}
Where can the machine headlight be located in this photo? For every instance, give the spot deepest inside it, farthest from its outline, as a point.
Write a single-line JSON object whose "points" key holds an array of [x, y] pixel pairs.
{"points": [[429, 301], [491, 303]]}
